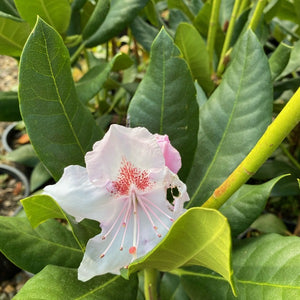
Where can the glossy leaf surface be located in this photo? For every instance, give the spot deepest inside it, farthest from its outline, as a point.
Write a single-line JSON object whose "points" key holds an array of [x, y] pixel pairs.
{"points": [[120, 14], [199, 237], [166, 89], [61, 129], [279, 59], [56, 13], [266, 268], [40, 208], [96, 19], [143, 32], [9, 107], [194, 51], [107, 286], [13, 34], [232, 120], [245, 205], [33, 249]]}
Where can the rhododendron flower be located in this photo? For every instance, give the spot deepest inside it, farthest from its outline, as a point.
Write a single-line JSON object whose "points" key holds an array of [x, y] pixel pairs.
{"points": [[124, 187]]}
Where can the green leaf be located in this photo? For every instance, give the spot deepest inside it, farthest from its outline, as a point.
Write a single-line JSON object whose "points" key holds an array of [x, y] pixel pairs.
{"points": [[245, 205], [201, 22], [279, 59], [166, 89], [283, 10], [152, 14], [199, 237], [45, 286], [61, 129], [39, 176], [92, 82], [143, 32], [232, 120], [40, 208], [294, 62], [284, 85], [9, 107], [121, 61], [194, 51], [24, 155], [120, 14], [33, 249], [286, 186], [56, 13], [171, 288], [266, 268], [13, 34], [78, 4], [8, 7], [181, 5], [97, 18], [269, 223]]}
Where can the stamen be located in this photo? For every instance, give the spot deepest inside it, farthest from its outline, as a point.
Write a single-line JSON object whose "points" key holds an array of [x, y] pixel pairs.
{"points": [[124, 224], [155, 215], [158, 208], [113, 225], [117, 232], [132, 250], [147, 214], [111, 242], [134, 200]]}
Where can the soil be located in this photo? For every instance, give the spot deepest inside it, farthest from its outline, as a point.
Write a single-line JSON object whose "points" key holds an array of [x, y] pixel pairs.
{"points": [[10, 189]]}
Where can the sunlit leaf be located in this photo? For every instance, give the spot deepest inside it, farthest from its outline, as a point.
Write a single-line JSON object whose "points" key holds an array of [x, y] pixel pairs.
{"points": [[199, 237], [45, 286]]}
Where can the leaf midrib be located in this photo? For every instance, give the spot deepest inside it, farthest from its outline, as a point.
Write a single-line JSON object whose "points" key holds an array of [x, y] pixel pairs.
{"points": [[216, 277], [222, 139], [162, 107], [98, 288], [36, 236], [59, 97]]}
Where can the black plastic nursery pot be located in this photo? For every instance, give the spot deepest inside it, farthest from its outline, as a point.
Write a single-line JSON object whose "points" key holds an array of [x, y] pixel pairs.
{"points": [[19, 180], [11, 180], [11, 135]]}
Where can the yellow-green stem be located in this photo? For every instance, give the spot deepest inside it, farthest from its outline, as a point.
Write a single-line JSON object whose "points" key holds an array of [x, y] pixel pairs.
{"points": [[287, 119], [243, 6], [228, 37], [150, 284], [77, 53], [212, 30], [257, 14]]}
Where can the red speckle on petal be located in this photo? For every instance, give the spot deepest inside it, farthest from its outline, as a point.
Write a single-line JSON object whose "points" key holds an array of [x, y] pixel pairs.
{"points": [[132, 250], [130, 175]]}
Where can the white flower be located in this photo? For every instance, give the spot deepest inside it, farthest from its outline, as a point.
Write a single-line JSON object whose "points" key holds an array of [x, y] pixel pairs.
{"points": [[124, 187]]}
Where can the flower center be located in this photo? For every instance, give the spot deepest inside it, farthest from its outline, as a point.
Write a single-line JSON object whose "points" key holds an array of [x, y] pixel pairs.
{"points": [[130, 175]]}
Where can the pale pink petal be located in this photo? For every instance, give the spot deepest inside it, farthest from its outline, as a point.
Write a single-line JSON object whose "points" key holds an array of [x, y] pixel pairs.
{"points": [[135, 145], [171, 155], [93, 265], [80, 198], [124, 188], [154, 217]]}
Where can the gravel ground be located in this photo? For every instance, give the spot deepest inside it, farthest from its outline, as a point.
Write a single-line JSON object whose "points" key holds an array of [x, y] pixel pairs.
{"points": [[9, 82]]}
